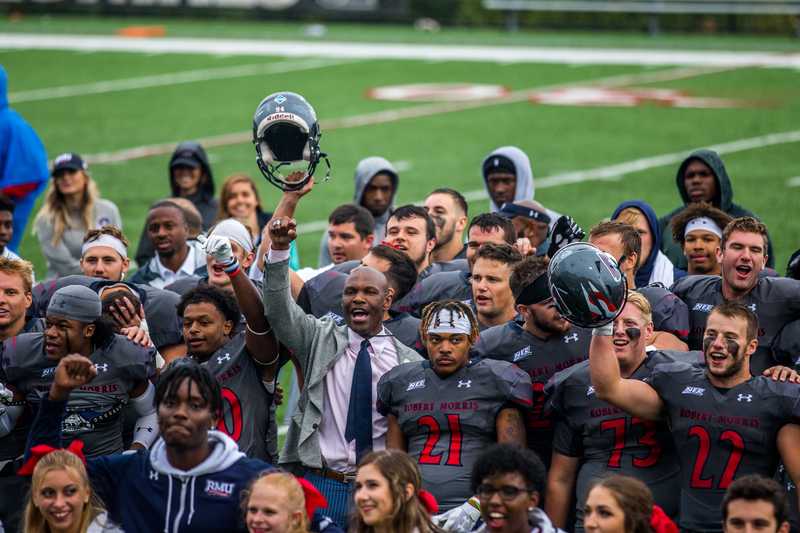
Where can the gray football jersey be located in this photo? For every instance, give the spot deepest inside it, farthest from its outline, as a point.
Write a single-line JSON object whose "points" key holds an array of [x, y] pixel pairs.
{"points": [[721, 434], [775, 301], [541, 359], [607, 439], [94, 411], [246, 404], [448, 422]]}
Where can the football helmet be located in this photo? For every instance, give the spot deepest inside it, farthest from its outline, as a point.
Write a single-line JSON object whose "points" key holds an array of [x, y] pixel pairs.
{"points": [[286, 131], [587, 285]]}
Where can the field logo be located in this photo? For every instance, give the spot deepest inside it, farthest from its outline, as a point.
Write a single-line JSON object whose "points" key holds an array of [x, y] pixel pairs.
{"points": [[438, 92], [608, 97]]}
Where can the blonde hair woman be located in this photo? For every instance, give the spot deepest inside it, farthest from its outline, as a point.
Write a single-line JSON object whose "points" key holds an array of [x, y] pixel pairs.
{"points": [[61, 499], [72, 206], [281, 503]]}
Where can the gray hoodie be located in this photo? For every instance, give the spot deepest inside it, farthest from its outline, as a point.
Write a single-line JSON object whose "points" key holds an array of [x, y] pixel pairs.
{"points": [[526, 190], [366, 170]]}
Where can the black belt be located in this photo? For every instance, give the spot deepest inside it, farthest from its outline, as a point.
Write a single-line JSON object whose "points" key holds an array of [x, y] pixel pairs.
{"points": [[335, 475]]}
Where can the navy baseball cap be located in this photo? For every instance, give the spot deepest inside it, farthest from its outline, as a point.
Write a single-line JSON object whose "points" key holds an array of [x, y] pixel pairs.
{"points": [[511, 210], [185, 158], [69, 161]]}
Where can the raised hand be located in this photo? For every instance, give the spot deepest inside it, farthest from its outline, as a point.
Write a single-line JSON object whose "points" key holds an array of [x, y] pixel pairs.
{"points": [[282, 231], [565, 231], [73, 371], [296, 176]]}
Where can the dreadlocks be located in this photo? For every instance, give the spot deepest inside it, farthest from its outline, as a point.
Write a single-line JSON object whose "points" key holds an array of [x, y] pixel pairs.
{"points": [[454, 306], [187, 368]]}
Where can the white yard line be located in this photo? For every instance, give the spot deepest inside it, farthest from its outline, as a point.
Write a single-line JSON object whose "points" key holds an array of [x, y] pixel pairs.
{"points": [[351, 50], [171, 78], [422, 110], [793, 182], [618, 170]]}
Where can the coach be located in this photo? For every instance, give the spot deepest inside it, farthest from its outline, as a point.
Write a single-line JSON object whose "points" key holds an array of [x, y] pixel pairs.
{"points": [[339, 367]]}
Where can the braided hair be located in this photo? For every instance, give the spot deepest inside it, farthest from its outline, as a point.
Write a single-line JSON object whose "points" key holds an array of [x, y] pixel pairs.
{"points": [[456, 307]]}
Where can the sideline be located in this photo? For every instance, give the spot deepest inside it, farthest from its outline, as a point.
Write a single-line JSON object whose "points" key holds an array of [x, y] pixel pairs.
{"points": [[351, 50]]}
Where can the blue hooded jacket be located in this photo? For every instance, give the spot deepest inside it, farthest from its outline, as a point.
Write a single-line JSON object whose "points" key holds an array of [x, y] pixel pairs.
{"points": [[23, 163], [647, 264]]}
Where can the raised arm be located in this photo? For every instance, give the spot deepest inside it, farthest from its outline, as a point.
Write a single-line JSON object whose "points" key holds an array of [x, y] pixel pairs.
{"points": [[291, 326], [636, 397], [261, 343]]}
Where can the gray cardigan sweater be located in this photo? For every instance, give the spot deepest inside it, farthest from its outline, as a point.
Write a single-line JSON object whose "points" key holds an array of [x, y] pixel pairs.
{"points": [[317, 345]]}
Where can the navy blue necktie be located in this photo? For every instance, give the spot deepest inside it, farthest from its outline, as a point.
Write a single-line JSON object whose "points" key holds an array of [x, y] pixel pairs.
{"points": [[359, 411]]}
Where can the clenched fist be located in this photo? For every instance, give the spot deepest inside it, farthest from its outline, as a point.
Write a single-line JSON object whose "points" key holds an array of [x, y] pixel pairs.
{"points": [[73, 371], [282, 231]]}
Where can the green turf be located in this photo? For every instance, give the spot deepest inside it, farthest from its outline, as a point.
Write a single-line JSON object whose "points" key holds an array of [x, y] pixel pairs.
{"points": [[396, 33]]}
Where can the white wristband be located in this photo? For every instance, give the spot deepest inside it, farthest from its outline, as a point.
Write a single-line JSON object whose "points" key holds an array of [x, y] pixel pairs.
{"points": [[604, 331]]}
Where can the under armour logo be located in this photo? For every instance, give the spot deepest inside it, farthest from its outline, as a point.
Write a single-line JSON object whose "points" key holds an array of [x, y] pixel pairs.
{"points": [[752, 307], [590, 390], [101, 368], [467, 384], [222, 359], [745, 398], [571, 338], [153, 475]]}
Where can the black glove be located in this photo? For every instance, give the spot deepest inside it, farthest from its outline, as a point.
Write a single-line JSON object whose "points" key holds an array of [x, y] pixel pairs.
{"points": [[565, 232]]}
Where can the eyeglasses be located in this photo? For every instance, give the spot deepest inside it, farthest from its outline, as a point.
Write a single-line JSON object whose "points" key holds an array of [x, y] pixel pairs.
{"points": [[507, 492]]}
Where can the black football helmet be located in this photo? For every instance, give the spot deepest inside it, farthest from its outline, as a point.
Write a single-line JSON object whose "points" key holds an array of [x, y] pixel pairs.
{"points": [[587, 285], [286, 131]]}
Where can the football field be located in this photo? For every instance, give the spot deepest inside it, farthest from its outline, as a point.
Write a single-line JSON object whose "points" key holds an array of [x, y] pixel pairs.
{"points": [[604, 118]]}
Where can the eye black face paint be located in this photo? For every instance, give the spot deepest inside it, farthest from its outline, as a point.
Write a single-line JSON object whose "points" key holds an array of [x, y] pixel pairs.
{"points": [[633, 333], [730, 345], [707, 341]]}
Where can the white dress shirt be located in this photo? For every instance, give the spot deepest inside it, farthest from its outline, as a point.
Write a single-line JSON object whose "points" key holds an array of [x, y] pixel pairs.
{"points": [[338, 453], [186, 269]]}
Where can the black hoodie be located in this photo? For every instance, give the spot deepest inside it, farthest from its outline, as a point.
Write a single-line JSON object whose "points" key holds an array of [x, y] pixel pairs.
{"points": [[723, 201], [203, 199]]}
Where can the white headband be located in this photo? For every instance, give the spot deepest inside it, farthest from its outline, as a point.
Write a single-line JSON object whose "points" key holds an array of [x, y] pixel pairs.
{"points": [[106, 240], [449, 321], [704, 224], [236, 232]]}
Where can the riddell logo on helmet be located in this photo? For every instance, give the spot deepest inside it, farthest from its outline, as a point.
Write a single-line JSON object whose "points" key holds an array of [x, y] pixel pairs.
{"points": [[281, 116]]}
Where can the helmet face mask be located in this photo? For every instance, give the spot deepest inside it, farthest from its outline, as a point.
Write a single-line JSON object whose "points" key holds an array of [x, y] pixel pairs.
{"points": [[286, 132], [587, 285]]}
